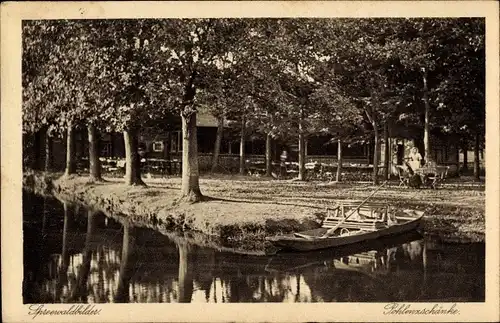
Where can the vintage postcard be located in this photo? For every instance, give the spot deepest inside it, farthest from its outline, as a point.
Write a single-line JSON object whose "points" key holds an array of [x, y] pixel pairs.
{"points": [[250, 161]]}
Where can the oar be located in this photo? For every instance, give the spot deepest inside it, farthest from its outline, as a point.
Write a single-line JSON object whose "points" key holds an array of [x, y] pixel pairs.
{"points": [[332, 230]]}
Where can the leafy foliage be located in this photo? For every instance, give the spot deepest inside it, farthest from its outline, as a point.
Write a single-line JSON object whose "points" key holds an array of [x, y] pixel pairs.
{"points": [[331, 76]]}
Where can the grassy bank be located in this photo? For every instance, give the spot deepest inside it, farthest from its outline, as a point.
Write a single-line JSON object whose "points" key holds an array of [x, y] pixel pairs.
{"points": [[244, 210]]}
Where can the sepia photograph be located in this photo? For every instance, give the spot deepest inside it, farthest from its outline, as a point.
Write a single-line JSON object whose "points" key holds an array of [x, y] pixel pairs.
{"points": [[262, 159]]}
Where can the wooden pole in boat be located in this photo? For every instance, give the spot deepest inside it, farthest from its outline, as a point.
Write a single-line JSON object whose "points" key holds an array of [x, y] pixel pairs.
{"points": [[332, 230]]}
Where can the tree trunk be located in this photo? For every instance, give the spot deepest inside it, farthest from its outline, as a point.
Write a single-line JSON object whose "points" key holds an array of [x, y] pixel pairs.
{"points": [[218, 140], [70, 152], [427, 147], [44, 217], [190, 190], [339, 161], [132, 161], [269, 159], [376, 149], [242, 147], [465, 150], [48, 152], [386, 150], [302, 155], [476, 157], [94, 162]]}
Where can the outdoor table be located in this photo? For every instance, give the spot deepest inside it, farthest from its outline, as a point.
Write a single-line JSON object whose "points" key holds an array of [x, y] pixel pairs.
{"points": [[432, 176]]}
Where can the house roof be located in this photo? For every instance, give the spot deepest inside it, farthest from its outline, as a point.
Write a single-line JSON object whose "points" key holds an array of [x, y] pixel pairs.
{"points": [[205, 119]]}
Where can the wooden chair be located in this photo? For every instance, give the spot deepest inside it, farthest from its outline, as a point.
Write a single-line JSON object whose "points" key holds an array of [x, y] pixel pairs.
{"points": [[438, 176], [404, 178]]}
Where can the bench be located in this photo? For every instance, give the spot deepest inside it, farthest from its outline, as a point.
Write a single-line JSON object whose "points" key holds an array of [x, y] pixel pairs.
{"points": [[377, 210], [362, 225], [370, 216]]}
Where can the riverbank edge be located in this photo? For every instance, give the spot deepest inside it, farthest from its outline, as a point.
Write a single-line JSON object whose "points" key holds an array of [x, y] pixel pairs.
{"points": [[246, 237]]}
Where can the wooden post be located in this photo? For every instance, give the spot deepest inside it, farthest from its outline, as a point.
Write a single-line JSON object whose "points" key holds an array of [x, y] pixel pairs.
{"points": [[242, 147], [427, 146], [386, 151], [70, 151], [339, 160]]}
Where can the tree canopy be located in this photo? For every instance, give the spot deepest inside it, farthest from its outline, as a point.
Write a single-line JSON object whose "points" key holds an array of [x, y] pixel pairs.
{"points": [[288, 77]]}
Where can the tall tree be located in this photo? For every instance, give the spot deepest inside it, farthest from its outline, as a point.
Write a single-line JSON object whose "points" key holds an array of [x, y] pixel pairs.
{"points": [[337, 116], [190, 48], [40, 80], [438, 53], [126, 64], [222, 99], [72, 82], [361, 60], [297, 47], [131, 78]]}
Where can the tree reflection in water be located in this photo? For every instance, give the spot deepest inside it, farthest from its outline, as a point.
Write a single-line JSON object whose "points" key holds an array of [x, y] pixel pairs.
{"points": [[35, 249], [237, 288], [121, 263], [65, 257], [122, 291], [185, 273], [79, 292]]}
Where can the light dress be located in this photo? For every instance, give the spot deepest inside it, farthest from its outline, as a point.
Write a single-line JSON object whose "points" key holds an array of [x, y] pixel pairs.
{"points": [[415, 161]]}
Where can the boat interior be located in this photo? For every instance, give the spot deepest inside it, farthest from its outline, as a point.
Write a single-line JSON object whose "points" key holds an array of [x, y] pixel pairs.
{"points": [[350, 218]]}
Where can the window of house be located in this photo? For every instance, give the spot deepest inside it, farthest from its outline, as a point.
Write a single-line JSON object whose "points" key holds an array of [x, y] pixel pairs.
{"points": [[157, 146]]}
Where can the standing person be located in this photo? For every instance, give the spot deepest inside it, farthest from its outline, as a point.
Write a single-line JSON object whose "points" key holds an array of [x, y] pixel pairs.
{"points": [[415, 159], [413, 163]]}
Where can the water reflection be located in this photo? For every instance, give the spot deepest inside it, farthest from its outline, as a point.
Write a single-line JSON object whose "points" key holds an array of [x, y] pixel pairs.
{"points": [[65, 257], [77, 255]]}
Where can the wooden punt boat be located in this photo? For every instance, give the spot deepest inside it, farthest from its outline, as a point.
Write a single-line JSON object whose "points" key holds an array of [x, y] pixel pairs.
{"points": [[372, 221]]}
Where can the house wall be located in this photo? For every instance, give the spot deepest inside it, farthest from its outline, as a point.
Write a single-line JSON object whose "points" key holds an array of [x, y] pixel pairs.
{"points": [[169, 145], [58, 151], [470, 159], [112, 145], [321, 145], [160, 146]]}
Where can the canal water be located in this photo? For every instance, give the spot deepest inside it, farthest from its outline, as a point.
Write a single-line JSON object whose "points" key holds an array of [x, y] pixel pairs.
{"points": [[72, 254]]}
